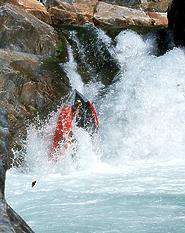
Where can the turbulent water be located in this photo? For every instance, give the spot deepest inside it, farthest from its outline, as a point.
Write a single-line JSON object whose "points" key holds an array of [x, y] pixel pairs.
{"points": [[131, 177]]}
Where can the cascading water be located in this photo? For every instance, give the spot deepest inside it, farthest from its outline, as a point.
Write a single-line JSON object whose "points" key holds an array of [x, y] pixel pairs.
{"points": [[132, 178]]}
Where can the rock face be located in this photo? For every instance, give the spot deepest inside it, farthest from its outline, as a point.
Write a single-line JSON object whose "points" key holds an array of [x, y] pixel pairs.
{"points": [[32, 6], [111, 14], [176, 21], [35, 8], [119, 15], [70, 12], [10, 221], [17, 27], [28, 86]]}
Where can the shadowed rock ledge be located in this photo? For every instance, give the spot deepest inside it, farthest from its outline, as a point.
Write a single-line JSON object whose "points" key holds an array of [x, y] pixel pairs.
{"points": [[176, 21], [10, 221]]}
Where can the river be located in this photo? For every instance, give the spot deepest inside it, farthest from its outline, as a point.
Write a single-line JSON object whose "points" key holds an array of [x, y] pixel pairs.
{"points": [[130, 178]]}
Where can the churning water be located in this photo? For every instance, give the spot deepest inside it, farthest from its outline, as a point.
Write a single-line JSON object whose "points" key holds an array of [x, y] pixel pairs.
{"points": [[131, 177]]}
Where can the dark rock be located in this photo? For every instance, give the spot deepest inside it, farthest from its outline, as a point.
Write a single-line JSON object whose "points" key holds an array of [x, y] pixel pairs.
{"points": [[21, 31], [94, 60], [164, 41], [176, 21], [17, 223], [10, 221]]}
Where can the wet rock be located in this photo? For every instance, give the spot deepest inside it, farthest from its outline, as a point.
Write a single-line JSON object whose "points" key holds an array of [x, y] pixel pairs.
{"points": [[32, 6], [21, 31], [176, 21], [70, 12], [28, 86], [17, 223], [10, 221], [93, 57]]}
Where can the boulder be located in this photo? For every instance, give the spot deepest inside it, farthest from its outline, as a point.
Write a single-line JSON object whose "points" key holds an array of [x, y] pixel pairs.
{"points": [[10, 221], [21, 31], [119, 15], [32, 6], [176, 21], [70, 12], [28, 86]]}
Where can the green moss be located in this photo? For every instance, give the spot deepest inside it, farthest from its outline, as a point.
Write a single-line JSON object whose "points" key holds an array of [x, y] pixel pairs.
{"points": [[60, 47], [61, 50], [50, 60], [61, 55]]}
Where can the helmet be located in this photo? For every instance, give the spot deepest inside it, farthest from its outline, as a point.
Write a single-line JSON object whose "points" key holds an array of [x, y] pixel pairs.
{"points": [[78, 103]]}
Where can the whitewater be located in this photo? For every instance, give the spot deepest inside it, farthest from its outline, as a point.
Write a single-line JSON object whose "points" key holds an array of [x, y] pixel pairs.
{"points": [[130, 178]]}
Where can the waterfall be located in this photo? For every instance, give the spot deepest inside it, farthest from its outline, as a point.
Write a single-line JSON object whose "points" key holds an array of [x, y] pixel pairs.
{"points": [[130, 178], [70, 68], [146, 106]]}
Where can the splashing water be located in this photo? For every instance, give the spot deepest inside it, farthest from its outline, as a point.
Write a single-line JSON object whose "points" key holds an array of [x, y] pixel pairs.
{"points": [[134, 181], [148, 105]]}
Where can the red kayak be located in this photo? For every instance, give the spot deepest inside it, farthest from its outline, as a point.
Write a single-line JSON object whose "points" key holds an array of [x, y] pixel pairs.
{"points": [[85, 116]]}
